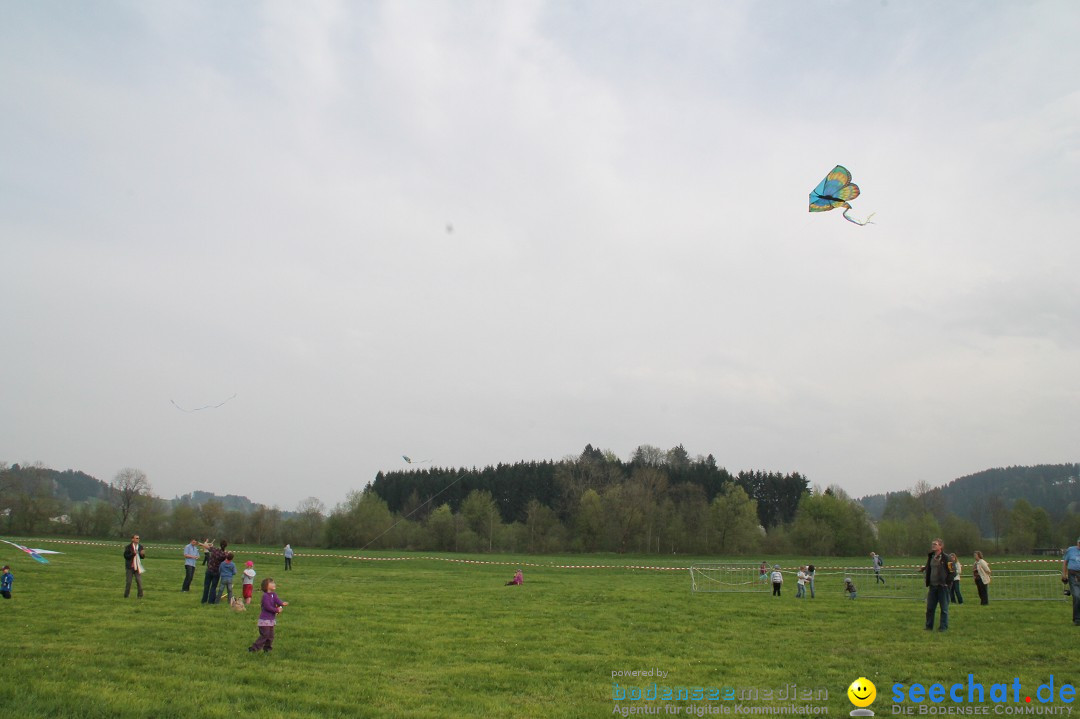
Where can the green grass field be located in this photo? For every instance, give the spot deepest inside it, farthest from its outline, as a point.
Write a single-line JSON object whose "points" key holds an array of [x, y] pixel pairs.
{"points": [[429, 638]]}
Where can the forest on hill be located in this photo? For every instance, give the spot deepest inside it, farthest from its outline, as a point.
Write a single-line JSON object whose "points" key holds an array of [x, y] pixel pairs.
{"points": [[988, 498], [657, 501]]}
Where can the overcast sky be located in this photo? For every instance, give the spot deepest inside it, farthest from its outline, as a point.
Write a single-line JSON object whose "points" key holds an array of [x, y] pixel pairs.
{"points": [[202, 199]]}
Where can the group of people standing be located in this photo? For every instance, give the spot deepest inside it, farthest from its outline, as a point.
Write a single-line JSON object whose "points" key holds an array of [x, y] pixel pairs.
{"points": [[804, 579], [220, 570], [220, 574]]}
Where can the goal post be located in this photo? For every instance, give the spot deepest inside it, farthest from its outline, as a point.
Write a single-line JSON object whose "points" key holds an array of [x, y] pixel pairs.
{"points": [[729, 577], [904, 582]]}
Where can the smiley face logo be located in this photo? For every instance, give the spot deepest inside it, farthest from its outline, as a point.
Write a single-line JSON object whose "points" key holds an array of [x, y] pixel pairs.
{"points": [[862, 692]]}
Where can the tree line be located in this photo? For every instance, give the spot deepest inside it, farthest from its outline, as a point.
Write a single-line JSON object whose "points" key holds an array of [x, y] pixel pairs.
{"points": [[657, 501], [36, 500]]}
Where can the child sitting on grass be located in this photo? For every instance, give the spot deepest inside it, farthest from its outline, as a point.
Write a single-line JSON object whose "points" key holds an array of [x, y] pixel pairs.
{"points": [[519, 578], [849, 587], [271, 607]]}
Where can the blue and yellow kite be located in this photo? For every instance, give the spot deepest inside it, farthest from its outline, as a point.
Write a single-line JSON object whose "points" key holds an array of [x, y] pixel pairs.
{"points": [[835, 191]]}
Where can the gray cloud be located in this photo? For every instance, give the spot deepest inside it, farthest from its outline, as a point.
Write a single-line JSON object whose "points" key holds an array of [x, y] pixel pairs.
{"points": [[200, 200]]}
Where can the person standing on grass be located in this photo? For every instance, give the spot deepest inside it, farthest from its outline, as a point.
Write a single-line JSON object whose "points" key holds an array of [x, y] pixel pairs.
{"points": [[777, 580], [937, 574], [248, 581], [271, 607], [213, 573], [226, 572], [191, 558], [954, 591], [878, 564], [763, 572], [133, 556], [288, 557], [800, 591], [1070, 572], [7, 579], [982, 578], [811, 572]]}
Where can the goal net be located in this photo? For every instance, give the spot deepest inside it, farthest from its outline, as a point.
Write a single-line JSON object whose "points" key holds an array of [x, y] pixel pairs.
{"points": [[729, 577], [1024, 583]]}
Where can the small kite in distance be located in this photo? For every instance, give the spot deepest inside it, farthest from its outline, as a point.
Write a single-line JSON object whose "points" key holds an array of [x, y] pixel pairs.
{"points": [[410, 460], [35, 553], [199, 409], [835, 191]]}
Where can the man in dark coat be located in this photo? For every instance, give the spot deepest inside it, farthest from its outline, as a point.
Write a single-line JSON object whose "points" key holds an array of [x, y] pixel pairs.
{"points": [[938, 575], [133, 556], [213, 574]]}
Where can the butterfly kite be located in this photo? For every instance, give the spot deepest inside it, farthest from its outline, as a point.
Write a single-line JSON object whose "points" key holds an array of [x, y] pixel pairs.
{"points": [[835, 191], [410, 460], [35, 553]]}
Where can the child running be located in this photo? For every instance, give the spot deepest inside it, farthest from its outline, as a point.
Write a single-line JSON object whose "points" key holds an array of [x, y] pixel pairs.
{"points": [[248, 581], [271, 607]]}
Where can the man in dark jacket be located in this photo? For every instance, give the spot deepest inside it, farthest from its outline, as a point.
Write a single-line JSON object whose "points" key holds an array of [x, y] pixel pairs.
{"points": [[938, 575], [213, 573], [133, 556]]}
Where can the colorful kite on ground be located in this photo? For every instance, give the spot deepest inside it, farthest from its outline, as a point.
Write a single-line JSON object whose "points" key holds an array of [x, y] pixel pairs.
{"points": [[835, 191], [35, 553]]}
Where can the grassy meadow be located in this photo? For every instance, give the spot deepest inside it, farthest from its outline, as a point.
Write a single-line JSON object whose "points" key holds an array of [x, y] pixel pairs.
{"points": [[430, 638]]}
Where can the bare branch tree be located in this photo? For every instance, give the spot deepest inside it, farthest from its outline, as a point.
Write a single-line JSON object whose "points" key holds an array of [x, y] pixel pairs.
{"points": [[129, 487]]}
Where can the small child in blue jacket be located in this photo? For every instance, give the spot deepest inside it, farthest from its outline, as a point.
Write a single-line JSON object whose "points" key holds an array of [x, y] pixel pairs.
{"points": [[6, 580], [228, 571]]}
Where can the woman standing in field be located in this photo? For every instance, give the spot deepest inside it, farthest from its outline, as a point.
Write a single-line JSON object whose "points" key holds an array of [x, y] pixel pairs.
{"points": [[954, 590], [982, 577]]}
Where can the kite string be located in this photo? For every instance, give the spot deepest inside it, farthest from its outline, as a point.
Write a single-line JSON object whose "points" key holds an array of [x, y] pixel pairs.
{"points": [[860, 224], [417, 509], [208, 406]]}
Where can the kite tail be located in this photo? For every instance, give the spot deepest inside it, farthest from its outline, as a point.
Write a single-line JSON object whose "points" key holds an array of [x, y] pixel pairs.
{"points": [[860, 224]]}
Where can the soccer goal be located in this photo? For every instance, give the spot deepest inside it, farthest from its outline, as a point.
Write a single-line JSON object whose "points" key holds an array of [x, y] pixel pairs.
{"points": [[1031, 583], [729, 577], [1027, 584], [1022, 584]]}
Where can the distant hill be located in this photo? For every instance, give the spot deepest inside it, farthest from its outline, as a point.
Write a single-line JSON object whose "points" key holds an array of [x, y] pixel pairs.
{"points": [[73, 486], [231, 502], [68, 485], [1053, 487]]}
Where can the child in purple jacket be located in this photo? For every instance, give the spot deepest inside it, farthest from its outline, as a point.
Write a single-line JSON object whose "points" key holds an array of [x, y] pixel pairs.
{"points": [[271, 607]]}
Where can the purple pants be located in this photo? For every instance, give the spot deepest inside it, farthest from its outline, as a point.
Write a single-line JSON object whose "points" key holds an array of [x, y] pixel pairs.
{"points": [[265, 640]]}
